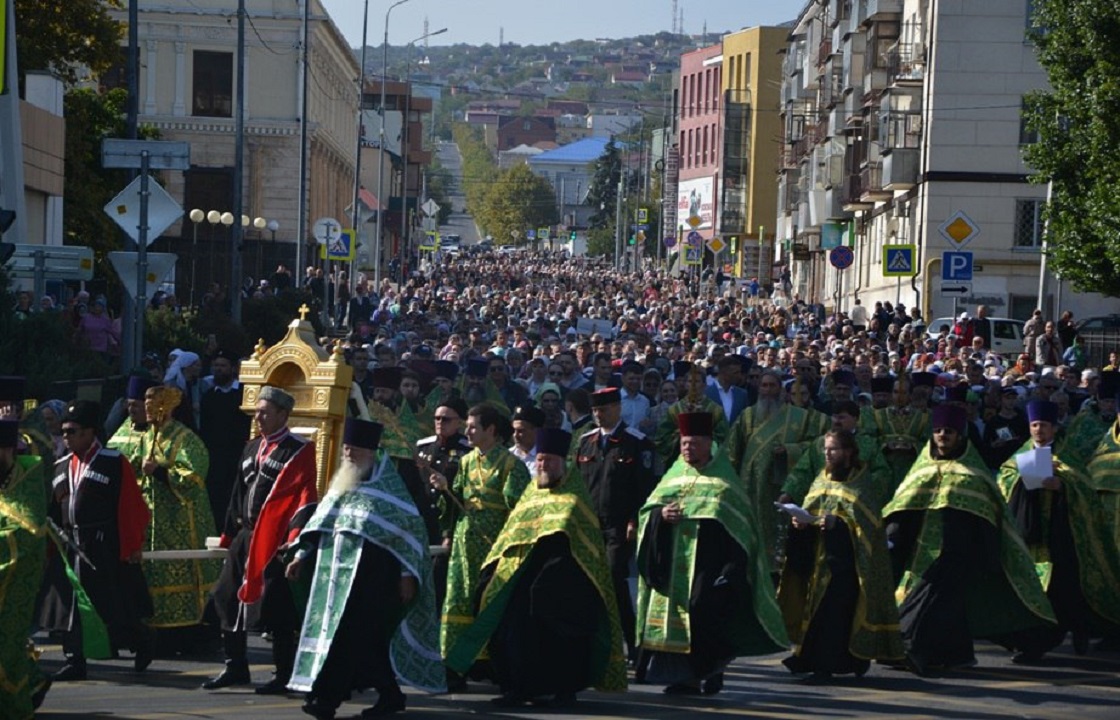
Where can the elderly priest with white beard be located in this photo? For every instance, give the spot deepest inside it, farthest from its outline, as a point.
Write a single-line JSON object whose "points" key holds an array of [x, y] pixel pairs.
{"points": [[371, 614]]}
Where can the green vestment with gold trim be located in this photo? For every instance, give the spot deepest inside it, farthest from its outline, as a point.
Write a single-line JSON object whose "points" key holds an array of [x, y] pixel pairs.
{"points": [[1098, 556], [751, 447], [181, 518], [711, 493], [856, 501], [1104, 474], [489, 486], [541, 512], [997, 604], [23, 546]]}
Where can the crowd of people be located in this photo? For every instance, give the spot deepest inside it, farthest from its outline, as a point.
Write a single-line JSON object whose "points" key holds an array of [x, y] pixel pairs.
{"points": [[525, 434]]}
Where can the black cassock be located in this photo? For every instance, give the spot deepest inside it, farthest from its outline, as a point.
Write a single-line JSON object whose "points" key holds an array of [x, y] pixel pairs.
{"points": [[544, 642], [719, 592], [224, 429]]}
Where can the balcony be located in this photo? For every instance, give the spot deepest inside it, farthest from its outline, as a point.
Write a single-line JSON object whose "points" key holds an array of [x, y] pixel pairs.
{"points": [[878, 10], [871, 184], [851, 194], [824, 51], [906, 64], [900, 169]]}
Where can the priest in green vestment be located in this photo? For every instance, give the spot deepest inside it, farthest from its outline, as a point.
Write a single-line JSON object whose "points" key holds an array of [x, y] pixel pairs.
{"points": [[666, 439], [371, 614], [487, 486], [1090, 427], [548, 614], [403, 430], [900, 429], [171, 462], [963, 570], [836, 591], [1104, 472], [845, 418], [765, 442], [23, 518], [704, 590], [1069, 537], [129, 436]]}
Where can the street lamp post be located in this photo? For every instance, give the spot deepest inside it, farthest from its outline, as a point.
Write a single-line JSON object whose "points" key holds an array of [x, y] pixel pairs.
{"points": [[406, 148], [381, 147], [357, 213], [226, 219], [196, 216]]}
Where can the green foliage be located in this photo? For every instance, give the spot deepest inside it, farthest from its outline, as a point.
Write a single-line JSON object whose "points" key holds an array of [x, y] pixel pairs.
{"points": [[479, 169], [42, 348], [516, 201], [600, 241], [165, 330], [1078, 126], [440, 183], [67, 37], [603, 192]]}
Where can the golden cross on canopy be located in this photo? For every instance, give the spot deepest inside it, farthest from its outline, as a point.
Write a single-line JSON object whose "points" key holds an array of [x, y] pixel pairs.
{"points": [[303, 310]]}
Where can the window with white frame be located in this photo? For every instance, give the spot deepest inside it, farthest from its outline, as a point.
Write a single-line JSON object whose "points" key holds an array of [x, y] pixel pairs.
{"points": [[1028, 223]]}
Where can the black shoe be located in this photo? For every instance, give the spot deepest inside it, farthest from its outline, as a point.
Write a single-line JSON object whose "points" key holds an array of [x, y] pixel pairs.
{"points": [[456, 684], [317, 709], [145, 651], [682, 689], [72, 671], [236, 672], [275, 686], [387, 704], [509, 701], [40, 694], [713, 684], [1081, 643]]}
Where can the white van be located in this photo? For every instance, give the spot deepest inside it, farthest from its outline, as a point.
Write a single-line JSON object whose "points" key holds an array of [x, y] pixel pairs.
{"points": [[1006, 334]]}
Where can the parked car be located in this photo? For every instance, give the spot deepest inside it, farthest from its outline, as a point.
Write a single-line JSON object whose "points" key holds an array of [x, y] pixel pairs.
{"points": [[1006, 334]]}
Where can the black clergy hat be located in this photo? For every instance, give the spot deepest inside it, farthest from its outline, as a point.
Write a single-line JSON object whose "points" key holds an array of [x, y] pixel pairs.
{"points": [[1042, 411], [681, 368], [1110, 384], [138, 385], [882, 384], [446, 369], [951, 416], [920, 379], [386, 377], [362, 433], [9, 433], [478, 367], [553, 441], [83, 413], [956, 393], [695, 424], [530, 414]]}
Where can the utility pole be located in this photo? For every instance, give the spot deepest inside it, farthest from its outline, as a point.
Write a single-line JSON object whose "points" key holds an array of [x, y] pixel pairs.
{"points": [[237, 229], [304, 77]]}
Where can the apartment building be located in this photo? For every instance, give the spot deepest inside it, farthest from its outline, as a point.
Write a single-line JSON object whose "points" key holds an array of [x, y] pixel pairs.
{"points": [[903, 139]]}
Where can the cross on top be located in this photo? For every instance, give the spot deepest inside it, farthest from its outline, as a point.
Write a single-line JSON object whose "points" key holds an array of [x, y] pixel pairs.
{"points": [[303, 310]]}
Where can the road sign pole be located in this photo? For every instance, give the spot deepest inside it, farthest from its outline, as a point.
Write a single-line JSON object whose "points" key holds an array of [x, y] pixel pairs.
{"points": [[137, 351]]}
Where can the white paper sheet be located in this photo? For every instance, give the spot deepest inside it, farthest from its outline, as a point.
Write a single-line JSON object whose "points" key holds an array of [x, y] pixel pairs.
{"points": [[1035, 466], [797, 512]]}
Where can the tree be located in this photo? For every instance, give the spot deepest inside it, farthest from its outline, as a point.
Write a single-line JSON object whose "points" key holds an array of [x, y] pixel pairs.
{"points": [[68, 38], [515, 202], [603, 192], [1078, 128]]}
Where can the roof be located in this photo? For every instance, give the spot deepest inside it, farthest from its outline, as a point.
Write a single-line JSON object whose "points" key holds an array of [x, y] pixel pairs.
{"points": [[368, 199], [582, 151]]}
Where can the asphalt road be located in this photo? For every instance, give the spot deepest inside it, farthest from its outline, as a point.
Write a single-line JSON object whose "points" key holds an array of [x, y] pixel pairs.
{"points": [[1065, 687], [459, 222]]}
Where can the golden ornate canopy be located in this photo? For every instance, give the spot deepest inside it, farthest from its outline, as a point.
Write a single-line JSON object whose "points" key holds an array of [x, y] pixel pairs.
{"points": [[319, 382]]}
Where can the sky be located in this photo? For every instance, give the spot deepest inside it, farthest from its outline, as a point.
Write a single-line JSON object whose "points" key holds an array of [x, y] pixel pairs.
{"points": [[477, 22]]}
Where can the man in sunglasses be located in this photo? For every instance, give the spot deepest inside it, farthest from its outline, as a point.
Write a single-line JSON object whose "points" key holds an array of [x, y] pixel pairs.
{"points": [[96, 500], [442, 453]]}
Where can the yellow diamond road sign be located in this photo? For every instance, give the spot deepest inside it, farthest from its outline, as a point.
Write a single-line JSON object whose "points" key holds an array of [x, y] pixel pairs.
{"points": [[716, 245], [959, 229]]}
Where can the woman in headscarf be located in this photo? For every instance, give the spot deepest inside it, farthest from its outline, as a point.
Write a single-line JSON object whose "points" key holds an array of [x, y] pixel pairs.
{"points": [[183, 373], [548, 399]]}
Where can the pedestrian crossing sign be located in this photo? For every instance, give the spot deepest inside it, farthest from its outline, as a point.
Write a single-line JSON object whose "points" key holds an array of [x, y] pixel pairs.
{"points": [[339, 249], [898, 261]]}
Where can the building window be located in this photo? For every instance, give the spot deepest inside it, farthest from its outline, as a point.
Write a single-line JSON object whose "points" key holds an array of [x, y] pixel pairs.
{"points": [[1028, 224], [213, 84], [527, 126]]}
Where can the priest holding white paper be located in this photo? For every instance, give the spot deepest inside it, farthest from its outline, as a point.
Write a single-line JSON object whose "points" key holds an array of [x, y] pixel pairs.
{"points": [[1059, 516]]}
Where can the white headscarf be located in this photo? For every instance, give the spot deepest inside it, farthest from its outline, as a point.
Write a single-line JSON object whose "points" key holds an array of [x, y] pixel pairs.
{"points": [[174, 375]]}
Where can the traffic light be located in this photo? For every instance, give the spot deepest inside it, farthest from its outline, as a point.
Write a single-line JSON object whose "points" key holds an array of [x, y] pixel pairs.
{"points": [[572, 236], [632, 240], [733, 241], [7, 217]]}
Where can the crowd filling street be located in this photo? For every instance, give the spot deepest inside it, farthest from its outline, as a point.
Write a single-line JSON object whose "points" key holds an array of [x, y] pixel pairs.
{"points": [[527, 433]]}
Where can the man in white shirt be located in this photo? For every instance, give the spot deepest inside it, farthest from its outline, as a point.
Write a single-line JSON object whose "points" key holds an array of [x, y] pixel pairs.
{"points": [[526, 420], [635, 405]]}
